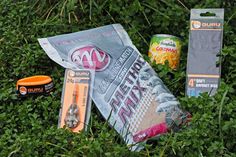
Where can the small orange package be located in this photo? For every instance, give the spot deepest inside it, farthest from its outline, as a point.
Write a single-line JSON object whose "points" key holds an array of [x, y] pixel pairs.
{"points": [[76, 99]]}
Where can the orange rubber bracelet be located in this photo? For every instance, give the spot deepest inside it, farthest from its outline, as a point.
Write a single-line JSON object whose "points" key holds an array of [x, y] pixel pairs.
{"points": [[39, 84]]}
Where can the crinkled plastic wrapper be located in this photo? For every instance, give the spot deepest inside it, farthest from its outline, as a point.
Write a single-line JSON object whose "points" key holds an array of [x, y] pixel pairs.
{"points": [[127, 91]]}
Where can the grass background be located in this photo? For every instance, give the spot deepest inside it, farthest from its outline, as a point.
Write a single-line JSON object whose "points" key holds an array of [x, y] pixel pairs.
{"points": [[28, 127]]}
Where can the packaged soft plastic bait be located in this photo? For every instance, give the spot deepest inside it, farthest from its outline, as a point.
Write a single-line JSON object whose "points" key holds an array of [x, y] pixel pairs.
{"points": [[126, 89]]}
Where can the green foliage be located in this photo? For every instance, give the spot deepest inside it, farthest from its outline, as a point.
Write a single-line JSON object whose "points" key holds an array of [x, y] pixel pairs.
{"points": [[28, 127]]}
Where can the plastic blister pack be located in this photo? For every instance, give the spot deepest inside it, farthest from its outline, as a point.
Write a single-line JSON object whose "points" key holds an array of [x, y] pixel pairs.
{"points": [[76, 99]]}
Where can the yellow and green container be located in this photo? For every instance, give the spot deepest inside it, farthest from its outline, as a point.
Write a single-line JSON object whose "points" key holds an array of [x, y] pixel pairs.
{"points": [[164, 47]]}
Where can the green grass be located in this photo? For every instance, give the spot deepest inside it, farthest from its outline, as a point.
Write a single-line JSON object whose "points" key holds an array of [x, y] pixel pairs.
{"points": [[28, 127]]}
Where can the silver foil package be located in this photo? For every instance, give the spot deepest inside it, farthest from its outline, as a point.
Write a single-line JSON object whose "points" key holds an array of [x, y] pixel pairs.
{"points": [[126, 90]]}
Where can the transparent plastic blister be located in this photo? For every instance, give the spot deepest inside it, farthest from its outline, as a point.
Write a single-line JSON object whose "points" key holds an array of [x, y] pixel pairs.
{"points": [[76, 99]]}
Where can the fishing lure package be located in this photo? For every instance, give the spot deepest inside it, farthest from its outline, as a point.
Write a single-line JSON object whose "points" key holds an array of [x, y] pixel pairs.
{"points": [[205, 45], [76, 99], [126, 90]]}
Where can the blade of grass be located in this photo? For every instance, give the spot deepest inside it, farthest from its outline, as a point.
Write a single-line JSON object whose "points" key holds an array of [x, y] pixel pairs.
{"points": [[90, 126], [51, 11], [95, 4], [39, 6], [108, 118], [63, 8], [35, 3], [200, 153], [14, 152], [144, 14], [166, 145], [146, 18], [154, 9], [81, 6], [103, 4], [230, 18], [183, 5], [62, 155], [140, 35], [110, 16], [147, 152], [90, 9], [69, 18], [48, 143], [76, 18], [166, 3], [220, 112]]}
